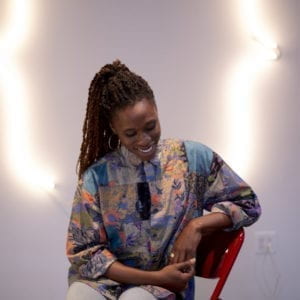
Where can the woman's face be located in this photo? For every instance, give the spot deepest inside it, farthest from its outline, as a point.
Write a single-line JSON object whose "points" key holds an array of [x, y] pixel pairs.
{"points": [[138, 128]]}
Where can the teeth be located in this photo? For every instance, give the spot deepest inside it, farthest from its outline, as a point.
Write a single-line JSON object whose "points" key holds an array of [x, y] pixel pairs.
{"points": [[146, 150]]}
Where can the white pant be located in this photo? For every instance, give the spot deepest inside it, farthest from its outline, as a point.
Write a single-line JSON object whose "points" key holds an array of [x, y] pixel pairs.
{"points": [[81, 291]]}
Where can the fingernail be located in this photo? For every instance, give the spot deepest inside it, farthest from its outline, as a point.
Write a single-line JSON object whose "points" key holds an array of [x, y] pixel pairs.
{"points": [[193, 260]]}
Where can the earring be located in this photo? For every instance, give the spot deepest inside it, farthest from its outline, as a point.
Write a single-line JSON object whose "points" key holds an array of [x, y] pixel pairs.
{"points": [[109, 143]]}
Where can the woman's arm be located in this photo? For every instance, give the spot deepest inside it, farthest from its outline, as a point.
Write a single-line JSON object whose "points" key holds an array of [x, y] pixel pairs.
{"points": [[230, 200], [173, 277], [186, 244], [87, 243], [227, 193]]}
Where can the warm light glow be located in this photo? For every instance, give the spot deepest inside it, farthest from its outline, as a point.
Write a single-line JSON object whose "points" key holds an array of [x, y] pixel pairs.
{"points": [[240, 104], [14, 95], [268, 48], [18, 25], [241, 115]]}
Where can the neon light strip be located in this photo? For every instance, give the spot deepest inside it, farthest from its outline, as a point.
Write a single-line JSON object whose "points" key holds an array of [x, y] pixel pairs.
{"points": [[240, 105], [15, 98]]}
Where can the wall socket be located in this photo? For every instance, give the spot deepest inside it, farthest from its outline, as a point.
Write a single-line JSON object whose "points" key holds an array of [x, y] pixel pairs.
{"points": [[265, 242]]}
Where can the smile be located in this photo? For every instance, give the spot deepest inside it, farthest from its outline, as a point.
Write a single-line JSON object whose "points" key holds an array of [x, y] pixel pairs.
{"points": [[146, 150]]}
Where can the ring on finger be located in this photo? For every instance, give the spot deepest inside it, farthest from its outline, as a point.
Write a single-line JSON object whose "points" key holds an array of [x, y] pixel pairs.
{"points": [[172, 255]]}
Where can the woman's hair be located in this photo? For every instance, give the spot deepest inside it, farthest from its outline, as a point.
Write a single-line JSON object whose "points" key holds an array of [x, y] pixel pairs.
{"points": [[113, 88]]}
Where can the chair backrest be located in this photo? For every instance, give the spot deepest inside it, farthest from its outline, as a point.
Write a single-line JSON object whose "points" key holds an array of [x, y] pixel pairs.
{"points": [[216, 255]]}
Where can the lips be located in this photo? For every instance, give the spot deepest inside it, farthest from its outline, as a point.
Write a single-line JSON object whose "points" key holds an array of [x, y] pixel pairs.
{"points": [[146, 150], [146, 153]]}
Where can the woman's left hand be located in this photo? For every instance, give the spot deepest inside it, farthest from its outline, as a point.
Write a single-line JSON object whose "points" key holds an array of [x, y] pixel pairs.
{"points": [[186, 244]]}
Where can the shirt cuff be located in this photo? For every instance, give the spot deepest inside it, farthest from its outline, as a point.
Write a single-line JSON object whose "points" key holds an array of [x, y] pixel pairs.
{"points": [[98, 264], [237, 215]]}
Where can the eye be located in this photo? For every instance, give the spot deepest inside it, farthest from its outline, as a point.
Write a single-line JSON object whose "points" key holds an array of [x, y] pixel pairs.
{"points": [[130, 134], [151, 126]]}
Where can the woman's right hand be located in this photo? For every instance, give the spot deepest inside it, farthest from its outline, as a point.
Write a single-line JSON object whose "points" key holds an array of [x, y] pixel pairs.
{"points": [[175, 277]]}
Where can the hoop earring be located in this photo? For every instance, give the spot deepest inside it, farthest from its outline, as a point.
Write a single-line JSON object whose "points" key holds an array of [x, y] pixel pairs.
{"points": [[109, 143]]}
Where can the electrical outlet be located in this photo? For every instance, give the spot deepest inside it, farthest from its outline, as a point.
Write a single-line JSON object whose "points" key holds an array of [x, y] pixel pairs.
{"points": [[265, 242]]}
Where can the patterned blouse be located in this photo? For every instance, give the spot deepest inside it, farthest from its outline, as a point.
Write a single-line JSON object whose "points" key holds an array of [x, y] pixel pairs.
{"points": [[133, 211]]}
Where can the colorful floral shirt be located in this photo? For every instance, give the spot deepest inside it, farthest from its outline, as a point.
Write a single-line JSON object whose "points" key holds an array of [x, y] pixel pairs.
{"points": [[183, 179]]}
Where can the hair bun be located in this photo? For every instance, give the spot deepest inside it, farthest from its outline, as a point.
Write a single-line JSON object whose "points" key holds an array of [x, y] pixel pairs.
{"points": [[110, 70]]}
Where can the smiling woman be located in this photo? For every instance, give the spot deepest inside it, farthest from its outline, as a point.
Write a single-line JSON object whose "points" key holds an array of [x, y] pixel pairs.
{"points": [[114, 88], [138, 128], [137, 216]]}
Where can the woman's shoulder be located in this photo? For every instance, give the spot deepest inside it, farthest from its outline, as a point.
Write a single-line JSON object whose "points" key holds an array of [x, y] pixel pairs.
{"points": [[96, 174], [198, 155], [188, 145]]}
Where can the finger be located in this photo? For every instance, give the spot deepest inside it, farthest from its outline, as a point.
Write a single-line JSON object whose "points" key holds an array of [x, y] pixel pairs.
{"points": [[193, 261], [190, 252], [187, 267], [176, 259], [193, 266], [190, 255], [187, 275], [171, 258], [182, 256], [191, 271], [188, 272], [183, 265]]}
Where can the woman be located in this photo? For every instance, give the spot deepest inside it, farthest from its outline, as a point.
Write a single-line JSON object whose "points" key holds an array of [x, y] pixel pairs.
{"points": [[137, 216]]}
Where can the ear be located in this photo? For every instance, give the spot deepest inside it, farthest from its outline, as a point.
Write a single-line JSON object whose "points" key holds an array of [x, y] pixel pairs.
{"points": [[111, 127]]}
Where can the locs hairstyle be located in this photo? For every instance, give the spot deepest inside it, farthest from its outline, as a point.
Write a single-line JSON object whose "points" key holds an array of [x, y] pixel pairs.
{"points": [[112, 88]]}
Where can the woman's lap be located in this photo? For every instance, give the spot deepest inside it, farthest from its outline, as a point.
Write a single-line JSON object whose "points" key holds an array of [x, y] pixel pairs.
{"points": [[81, 291], [136, 293]]}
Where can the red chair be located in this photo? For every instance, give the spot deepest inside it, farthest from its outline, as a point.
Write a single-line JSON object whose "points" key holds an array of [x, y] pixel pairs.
{"points": [[216, 255]]}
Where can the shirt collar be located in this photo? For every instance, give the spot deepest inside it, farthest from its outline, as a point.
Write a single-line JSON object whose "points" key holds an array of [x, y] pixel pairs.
{"points": [[132, 159]]}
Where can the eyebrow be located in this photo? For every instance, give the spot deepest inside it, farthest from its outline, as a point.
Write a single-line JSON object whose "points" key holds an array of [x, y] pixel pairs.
{"points": [[148, 123]]}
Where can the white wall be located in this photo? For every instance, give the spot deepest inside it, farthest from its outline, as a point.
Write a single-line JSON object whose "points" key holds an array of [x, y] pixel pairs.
{"points": [[186, 50]]}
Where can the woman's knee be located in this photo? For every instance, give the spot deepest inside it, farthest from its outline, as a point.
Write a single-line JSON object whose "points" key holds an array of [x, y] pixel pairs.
{"points": [[81, 291], [137, 293]]}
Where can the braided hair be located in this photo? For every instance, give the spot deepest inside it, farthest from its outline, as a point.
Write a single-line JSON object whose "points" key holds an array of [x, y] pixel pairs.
{"points": [[113, 88]]}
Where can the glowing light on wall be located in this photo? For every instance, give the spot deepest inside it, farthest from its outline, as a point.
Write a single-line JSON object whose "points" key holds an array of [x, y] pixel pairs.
{"points": [[14, 96], [255, 27], [240, 103]]}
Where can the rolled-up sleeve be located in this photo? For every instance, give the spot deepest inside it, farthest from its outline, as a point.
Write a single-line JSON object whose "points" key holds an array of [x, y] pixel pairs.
{"points": [[87, 240], [229, 194]]}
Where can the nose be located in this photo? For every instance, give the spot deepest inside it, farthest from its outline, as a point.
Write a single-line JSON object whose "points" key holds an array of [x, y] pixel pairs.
{"points": [[144, 139]]}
